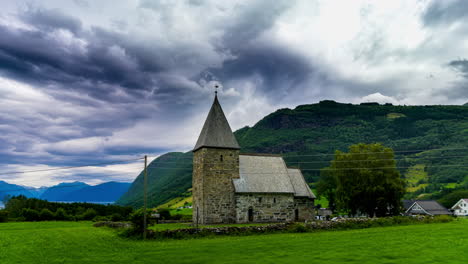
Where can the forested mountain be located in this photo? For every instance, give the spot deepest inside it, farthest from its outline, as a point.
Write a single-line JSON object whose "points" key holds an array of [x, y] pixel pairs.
{"points": [[431, 144]]}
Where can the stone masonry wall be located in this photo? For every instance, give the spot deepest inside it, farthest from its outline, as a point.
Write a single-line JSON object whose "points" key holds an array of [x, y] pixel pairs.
{"points": [[305, 208], [265, 207], [213, 189]]}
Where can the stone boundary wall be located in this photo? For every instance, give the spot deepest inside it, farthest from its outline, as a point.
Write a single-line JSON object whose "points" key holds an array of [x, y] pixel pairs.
{"points": [[341, 224]]}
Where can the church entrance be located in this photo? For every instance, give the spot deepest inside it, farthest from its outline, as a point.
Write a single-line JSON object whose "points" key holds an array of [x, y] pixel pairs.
{"points": [[250, 214]]}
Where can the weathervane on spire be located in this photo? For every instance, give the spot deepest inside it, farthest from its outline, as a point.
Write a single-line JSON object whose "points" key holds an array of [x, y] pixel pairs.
{"points": [[216, 89]]}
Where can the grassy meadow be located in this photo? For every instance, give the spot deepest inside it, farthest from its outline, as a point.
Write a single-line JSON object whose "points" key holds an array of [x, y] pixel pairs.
{"points": [[79, 242]]}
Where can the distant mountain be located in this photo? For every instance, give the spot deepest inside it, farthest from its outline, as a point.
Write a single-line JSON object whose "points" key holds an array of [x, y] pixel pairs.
{"points": [[7, 189], [433, 138], [68, 192], [60, 191], [106, 192]]}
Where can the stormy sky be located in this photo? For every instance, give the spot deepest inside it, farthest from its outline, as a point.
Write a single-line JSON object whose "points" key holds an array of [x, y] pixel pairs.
{"points": [[96, 81]]}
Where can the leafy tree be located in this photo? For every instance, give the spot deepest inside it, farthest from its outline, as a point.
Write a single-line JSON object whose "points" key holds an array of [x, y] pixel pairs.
{"points": [[30, 214], [137, 219], [450, 199], [46, 215], [60, 214], [367, 180], [326, 186], [3, 216], [89, 214]]}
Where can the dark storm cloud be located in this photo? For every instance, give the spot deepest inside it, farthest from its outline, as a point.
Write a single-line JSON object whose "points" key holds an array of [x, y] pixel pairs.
{"points": [[51, 19], [278, 68], [249, 24], [445, 12], [96, 61], [460, 66]]}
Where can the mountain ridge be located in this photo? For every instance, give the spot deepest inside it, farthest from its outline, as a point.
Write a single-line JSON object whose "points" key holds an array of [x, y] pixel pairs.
{"points": [[68, 191], [308, 135]]}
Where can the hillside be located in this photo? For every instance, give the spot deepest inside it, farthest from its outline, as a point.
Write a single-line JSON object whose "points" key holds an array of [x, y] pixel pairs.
{"points": [[433, 139]]}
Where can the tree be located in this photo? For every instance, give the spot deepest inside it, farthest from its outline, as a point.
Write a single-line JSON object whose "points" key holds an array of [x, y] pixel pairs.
{"points": [[326, 186], [60, 214], [450, 199], [30, 214], [367, 180], [46, 215]]}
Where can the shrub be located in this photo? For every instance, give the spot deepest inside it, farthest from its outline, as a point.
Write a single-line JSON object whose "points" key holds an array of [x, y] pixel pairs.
{"points": [[116, 217], [46, 215], [137, 219], [100, 218], [89, 214], [3, 216], [30, 214], [60, 214], [164, 213]]}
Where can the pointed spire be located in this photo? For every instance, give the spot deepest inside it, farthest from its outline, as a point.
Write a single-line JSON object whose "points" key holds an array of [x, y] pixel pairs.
{"points": [[216, 132]]}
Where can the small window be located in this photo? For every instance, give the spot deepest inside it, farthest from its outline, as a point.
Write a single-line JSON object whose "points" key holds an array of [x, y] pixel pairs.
{"points": [[274, 200], [259, 199], [221, 158]]}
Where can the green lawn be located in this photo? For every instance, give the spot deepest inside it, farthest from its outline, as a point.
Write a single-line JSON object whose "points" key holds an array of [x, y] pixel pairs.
{"points": [[70, 242]]}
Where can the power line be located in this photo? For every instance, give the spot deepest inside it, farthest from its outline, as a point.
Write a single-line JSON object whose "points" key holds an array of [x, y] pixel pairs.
{"points": [[324, 161], [395, 151], [370, 168], [331, 154]]}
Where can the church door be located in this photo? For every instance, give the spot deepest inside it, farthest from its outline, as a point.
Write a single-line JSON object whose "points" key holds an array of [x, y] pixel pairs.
{"points": [[250, 214]]}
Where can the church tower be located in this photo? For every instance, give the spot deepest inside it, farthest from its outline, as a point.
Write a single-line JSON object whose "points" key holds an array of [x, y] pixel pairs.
{"points": [[215, 165]]}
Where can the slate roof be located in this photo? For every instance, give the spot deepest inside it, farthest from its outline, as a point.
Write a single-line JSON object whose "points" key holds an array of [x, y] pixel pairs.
{"points": [[216, 131], [431, 207], [407, 204], [269, 174], [301, 188]]}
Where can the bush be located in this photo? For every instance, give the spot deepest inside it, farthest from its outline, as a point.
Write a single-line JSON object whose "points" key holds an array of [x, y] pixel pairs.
{"points": [[60, 214], [46, 215], [137, 219], [3, 216], [30, 214], [89, 214], [116, 218], [100, 218], [164, 213]]}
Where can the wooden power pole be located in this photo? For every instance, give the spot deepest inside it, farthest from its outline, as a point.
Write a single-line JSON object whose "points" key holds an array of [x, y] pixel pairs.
{"points": [[145, 196]]}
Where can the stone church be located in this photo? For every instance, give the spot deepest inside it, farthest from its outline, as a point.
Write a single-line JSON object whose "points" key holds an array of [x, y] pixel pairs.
{"points": [[233, 187]]}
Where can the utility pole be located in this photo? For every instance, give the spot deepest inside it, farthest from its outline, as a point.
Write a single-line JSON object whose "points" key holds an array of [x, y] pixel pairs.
{"points": [[145, 183]]}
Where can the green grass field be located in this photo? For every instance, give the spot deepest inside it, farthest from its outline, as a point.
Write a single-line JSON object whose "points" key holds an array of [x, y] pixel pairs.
{"points": [[71, 242]]}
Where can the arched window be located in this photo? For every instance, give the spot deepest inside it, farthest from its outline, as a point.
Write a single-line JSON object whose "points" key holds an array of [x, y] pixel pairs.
{"points": [[274, 200], [221, 158]]}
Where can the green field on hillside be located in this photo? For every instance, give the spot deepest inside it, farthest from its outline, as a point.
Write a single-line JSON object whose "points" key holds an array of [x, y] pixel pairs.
{"points": [[72, 242]]}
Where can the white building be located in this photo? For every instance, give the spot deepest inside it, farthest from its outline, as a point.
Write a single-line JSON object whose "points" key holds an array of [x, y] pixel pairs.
{"points": [[461, 208]]}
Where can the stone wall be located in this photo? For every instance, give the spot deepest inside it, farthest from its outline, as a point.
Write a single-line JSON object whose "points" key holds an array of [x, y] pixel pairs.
{"points": [[213, 189], [305, 207], [265, 207]]}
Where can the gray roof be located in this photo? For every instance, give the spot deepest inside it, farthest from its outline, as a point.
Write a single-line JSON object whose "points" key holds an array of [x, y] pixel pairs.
{"points": [[407, 204], [269, 174], [301, 188], [216, 131], [431, 207]]}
